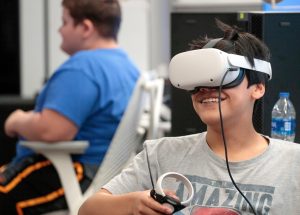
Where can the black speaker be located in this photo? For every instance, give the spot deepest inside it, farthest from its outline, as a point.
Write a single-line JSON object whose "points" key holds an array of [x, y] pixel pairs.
{"points": [[278, 30], [281, 33], [9, 48]]}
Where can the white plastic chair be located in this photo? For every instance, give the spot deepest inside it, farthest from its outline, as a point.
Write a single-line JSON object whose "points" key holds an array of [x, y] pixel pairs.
{"points": [[145, 103]]}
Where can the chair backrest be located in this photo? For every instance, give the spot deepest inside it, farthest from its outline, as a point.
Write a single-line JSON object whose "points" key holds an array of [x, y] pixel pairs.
{"points": [[146, 98]]}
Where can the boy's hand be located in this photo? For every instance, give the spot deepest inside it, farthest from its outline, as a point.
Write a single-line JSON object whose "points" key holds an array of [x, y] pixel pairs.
{"points": [[171, 194], [9, 125], [144, 204]]}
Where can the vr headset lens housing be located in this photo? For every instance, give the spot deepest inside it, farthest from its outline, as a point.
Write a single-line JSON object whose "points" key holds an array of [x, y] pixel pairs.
{"points": [[235, 82], [205, 68]]}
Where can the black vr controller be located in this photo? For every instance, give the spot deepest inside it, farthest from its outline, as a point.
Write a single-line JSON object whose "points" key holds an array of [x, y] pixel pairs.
{"points": [[159, 195], [174, 203]]}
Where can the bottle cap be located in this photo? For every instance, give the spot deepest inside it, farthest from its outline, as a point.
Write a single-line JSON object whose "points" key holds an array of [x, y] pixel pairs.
{"points": [[284, 94]]}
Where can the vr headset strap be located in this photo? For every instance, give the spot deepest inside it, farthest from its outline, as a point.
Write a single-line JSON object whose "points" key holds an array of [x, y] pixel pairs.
{"points": [[212, 43]]}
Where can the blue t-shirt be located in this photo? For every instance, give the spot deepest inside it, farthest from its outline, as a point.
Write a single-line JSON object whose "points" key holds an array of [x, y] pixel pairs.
{"points": [[92, 89]]}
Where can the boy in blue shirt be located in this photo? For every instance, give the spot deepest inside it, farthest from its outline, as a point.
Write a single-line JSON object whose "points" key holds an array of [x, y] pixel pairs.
{"points": [[83, 100]]}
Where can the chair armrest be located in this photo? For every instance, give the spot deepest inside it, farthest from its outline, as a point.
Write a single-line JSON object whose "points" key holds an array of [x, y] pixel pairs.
{"points": [[70, 147], [60, 155]]}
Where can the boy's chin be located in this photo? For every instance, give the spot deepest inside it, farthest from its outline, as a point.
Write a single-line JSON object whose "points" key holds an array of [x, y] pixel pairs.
{"points": [[66, 50], [211, 120]]}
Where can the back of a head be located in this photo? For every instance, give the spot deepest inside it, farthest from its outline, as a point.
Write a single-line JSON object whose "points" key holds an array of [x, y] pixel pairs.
{"points": [[237, 42], [105, 14]]}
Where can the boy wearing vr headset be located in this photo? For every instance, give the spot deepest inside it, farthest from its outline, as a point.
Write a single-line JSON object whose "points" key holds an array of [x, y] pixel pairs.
{"points": [[233, 168]]}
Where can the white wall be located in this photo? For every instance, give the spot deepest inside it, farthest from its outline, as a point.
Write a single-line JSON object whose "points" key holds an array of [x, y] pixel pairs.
{"points": [[145, 33], [56, 56], [160, 35], [32, 46], [134, 33]]}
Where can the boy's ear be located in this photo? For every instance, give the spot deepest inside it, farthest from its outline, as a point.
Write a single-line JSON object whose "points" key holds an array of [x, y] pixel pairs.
{"points": [[88, 27], [258, 91]]}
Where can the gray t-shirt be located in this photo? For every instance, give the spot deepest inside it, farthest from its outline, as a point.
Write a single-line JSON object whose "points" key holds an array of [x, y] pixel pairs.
{"points": [[271, 181]]}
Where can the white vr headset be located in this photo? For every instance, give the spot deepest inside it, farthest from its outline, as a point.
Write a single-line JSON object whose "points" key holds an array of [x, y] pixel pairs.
{"points": [[206, 68]]}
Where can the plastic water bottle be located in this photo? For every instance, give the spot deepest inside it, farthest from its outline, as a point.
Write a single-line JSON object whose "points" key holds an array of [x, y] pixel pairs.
{"points": [[283, 118]]}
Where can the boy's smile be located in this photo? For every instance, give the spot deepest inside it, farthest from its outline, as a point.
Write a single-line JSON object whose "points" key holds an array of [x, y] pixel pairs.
{"points": [[208, 97]]}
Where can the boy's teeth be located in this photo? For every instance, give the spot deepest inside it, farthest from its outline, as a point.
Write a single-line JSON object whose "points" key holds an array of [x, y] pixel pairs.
{"points": [[210, 100]]}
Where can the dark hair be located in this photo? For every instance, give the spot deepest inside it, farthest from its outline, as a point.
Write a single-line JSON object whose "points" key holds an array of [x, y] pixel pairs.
{"points": [[242, 43], [105, 14]]}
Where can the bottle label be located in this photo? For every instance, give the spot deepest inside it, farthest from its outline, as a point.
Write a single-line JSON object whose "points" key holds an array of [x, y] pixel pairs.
{"points": [[283, 126]]}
